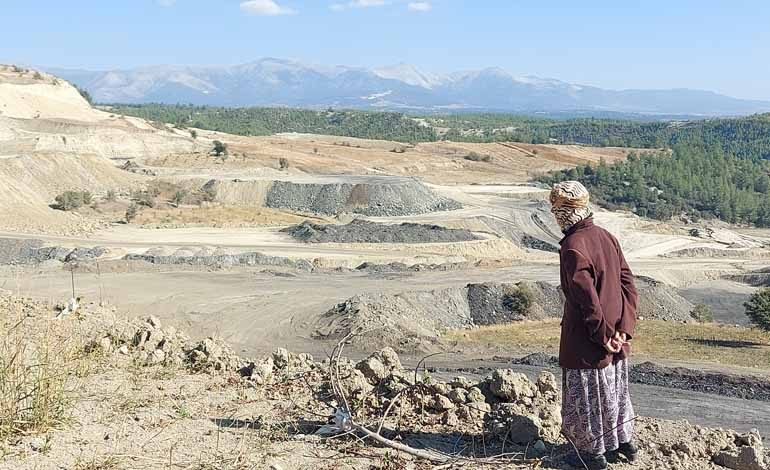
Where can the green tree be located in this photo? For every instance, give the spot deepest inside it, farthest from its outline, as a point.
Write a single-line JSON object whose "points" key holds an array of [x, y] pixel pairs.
{"points": [[179, 197], [758, 309], [220, 148]]}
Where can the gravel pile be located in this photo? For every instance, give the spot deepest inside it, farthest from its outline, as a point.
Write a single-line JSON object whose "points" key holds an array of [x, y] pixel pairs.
{"points": [[661, 301], [373, 199], [494, 303], [31, 251], [363, 231], [738, 386], [414, 321], [203, 258], [396, 267]]}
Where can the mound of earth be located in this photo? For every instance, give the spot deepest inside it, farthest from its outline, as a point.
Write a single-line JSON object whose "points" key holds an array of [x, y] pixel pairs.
{"points": [[371, 196], [398, 198], [52, 140], [661, 301], [415, 320], [362, 231], [205, 257]]}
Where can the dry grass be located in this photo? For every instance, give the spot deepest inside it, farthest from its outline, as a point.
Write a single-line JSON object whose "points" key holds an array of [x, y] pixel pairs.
{"points": [[39, 369], [672, 341]]}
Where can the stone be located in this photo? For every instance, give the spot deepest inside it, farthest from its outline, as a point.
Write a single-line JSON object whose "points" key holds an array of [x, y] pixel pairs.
{"points": [[539, 448], [458, 395], [476, 396], [461, 382], [511, 386], [157, 356], [524, 429], [442, 403], [123, 350], [751, 439], [355, 384], [105, 344], [373, 369], [746, 458], [441, 388], [281, 358], [450, 419], [390, 359], [546, 385], [262, 371]]}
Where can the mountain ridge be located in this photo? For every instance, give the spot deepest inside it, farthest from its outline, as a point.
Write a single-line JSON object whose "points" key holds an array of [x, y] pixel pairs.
{"points": [[280, 82]]}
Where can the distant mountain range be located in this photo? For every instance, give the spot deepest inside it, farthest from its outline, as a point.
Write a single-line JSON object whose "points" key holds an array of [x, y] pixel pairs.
{"points": [[277, 82]]}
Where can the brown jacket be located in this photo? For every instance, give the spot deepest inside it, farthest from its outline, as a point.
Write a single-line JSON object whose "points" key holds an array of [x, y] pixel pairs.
{"points": [[600, 297]]}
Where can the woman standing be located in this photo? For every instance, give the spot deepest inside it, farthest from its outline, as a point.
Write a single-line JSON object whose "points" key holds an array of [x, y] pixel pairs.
{"points": [[598, 323]]}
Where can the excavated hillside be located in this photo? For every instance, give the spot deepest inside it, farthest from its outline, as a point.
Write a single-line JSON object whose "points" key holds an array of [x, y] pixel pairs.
{"points": [[52, 140]]}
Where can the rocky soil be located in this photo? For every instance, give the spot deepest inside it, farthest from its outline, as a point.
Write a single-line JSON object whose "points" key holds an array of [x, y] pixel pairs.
{"points": [[153, 398], [362, 231]]}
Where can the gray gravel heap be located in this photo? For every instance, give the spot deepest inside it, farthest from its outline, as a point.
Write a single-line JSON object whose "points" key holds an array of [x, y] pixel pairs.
{"points": [[373, 199], [32, 251], [362, 231], [244, 259]]}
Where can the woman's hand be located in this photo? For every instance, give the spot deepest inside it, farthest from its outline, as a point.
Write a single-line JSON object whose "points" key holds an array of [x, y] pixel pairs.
{"points": [[613, 346]]}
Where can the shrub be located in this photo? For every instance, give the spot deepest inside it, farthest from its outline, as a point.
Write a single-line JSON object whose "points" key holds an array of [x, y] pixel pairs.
{"points": [[758, 309], [111, 196], [131, 212], [179, 197], [220, 148], [519, 299], [37, 75], [283, 163], [702, 313], [144, 198], [475, 157], [71, 200], [193, 133]]}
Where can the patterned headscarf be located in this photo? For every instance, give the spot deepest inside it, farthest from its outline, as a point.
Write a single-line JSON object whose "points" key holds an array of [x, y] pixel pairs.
{"points": [[569, 203]]}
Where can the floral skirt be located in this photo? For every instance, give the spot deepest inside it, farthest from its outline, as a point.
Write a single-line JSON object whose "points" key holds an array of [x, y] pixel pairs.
{"points": [[596, 410]]}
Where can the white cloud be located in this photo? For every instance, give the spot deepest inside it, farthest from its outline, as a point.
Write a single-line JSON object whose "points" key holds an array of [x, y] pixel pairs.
{"points": [[265, 8], [419, 6], [358, 4]]}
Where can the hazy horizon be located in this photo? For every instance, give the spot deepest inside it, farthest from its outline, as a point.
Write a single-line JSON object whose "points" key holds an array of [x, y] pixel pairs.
{"points": [[708, 45]]}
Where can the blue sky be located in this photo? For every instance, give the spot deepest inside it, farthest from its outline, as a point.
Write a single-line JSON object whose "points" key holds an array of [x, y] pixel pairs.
{"points": [[720, 45]]}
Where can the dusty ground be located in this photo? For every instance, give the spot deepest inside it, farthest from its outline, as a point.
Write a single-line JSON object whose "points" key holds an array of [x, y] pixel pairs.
{"points": [[146, 397]]}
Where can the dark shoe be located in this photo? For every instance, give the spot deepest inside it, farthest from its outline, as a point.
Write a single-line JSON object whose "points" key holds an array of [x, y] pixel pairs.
{"points": [[627, 450], [589, 461]]}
